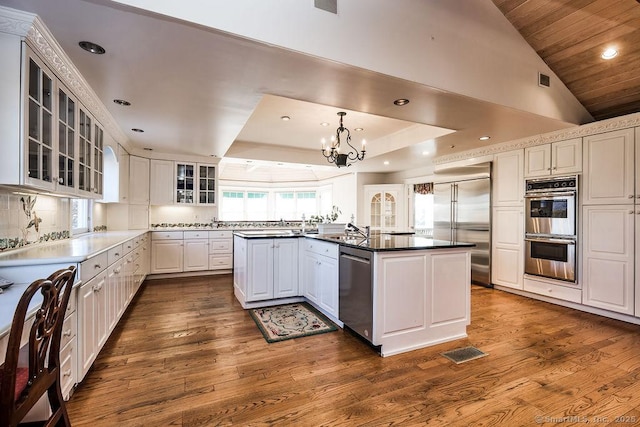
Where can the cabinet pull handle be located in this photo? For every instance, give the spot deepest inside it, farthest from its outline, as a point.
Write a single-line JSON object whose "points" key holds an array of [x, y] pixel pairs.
{"points": [[117, 254], [67, 373], [631, 196], [631, 212], [67, 333], [97, 266]]}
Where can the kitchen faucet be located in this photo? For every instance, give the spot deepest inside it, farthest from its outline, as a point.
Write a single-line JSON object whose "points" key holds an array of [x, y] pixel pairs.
{"points": [[366, 233]]}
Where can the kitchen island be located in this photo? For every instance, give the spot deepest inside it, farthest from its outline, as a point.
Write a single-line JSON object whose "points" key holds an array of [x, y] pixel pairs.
{"points": [[418, 292]]}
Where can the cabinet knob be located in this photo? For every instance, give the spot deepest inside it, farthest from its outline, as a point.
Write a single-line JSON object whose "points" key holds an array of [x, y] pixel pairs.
{"points": [[117, 254], [67, 333], [97, 266], [631, 212], [67, 373], [631, 196]]}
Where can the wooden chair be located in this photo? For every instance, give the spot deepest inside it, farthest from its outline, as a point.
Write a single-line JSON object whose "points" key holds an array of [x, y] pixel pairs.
{"points": [[21, 387]]}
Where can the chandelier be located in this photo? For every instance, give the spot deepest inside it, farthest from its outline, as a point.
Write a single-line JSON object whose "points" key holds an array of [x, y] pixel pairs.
{"points": [[333, 154]]}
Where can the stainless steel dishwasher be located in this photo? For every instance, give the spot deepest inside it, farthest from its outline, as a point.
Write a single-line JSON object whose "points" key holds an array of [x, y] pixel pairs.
{"points": [[356, 291]]}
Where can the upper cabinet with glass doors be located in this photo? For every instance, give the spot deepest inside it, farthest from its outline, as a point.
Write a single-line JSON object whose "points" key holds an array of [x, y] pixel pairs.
{"points": [[39, 131], [58, 146], [195, 183], [206, 184]]}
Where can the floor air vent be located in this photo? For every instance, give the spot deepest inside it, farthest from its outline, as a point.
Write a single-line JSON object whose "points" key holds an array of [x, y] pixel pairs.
{"points": [[328, 5], [461, 355]]}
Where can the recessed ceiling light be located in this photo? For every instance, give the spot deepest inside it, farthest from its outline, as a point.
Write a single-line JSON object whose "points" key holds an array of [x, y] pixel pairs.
{"points": [[484, 138], [324, 124], [386, 162], [92, 47], [425, 153], [137, 130], [122, 102], [285, 118], [401, 101], [609, 53], [358, 129]]}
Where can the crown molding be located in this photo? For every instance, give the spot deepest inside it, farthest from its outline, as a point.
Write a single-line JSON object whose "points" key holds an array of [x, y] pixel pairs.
{"points": [[608, 125], [36, 34]]}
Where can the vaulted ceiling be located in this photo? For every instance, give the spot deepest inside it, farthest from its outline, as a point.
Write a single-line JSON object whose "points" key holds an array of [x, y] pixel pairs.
{"points": [[570, 36]]}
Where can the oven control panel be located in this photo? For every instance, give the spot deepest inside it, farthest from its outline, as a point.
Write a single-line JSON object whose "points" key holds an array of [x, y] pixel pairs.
{"points": [[565, 183]]}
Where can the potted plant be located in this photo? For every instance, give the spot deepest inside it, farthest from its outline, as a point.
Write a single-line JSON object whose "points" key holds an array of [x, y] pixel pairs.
{"points": [[325, 223]]}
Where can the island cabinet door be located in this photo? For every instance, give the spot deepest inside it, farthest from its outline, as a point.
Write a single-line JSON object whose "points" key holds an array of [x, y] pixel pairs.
{"points": [[310, 276], [285, 268], [260, 269], [328, 284]]}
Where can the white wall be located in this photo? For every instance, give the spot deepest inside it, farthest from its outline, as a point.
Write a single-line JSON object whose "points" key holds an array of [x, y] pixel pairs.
{"points": [[461, 46]]}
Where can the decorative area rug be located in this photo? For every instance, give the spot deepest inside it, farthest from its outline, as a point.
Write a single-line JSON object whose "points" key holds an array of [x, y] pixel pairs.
{"points": [[461, 355], [284, 322]]}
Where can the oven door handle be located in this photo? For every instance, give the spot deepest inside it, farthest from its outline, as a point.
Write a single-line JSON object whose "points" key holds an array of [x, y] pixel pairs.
{"points": [[543, 240], [547, 195]]}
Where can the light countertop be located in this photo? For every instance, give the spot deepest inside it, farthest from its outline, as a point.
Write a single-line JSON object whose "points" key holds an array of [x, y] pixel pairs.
{"points": [[72, 250]]}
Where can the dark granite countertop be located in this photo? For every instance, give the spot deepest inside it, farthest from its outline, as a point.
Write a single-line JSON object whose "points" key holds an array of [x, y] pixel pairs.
{"points": [[376, 243], [387, 242]]}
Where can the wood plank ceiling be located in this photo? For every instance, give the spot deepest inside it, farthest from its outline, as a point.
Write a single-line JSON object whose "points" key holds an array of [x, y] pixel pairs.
{"points": [[570, 36]]}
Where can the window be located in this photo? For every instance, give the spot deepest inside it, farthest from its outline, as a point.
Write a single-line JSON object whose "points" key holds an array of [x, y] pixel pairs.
{"points": [[423, 221], [261, 205], [257, 206], [80, 216], [293, 204]]}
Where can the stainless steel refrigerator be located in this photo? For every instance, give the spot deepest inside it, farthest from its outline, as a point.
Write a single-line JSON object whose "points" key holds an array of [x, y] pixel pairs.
{"points": [[462, 213]]}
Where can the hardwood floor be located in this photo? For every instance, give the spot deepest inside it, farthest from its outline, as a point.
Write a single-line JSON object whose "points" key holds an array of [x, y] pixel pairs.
{"points": [[186, 354]]}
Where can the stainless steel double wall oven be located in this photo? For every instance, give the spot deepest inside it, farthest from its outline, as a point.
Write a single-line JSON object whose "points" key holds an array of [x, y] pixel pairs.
{"points": [[550, 227]]}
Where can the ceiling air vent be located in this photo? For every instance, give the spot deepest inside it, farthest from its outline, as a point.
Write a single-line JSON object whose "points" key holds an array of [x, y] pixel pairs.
{"points": [[328, 5], [544, 80]]}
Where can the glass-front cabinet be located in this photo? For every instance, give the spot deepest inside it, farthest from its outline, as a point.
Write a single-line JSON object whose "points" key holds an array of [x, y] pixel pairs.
{"points": [[39, 120], [85, 152], [66, 141], [185, 183], [60, 146], [98, 159], [385, 207], [206, 184]]}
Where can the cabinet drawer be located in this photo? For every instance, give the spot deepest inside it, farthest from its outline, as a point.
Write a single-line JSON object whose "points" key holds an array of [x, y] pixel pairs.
{"points": [[221, 234], [67, 371], [217, 262], [127, 246], [552, 290], [93, 266], [321, 248], [196, 235], [167, 235], [69, 330], [71, 305], [220, 246], [114, 254]]}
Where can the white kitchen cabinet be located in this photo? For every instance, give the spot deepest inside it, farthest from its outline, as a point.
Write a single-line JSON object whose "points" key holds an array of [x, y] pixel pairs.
{"points": [[185, 183], [196, 251], [608, 257], [92, 321], [220, 250], [138, 180], [508, 179], [609, 168], [207, 182], [240, 268], [67, 141], [115, 274], [320, 274], [167, 252], [385, 207], [507, 257], [123, 174], [272, 269], [558, 158], [42, 127], [161, 182]]}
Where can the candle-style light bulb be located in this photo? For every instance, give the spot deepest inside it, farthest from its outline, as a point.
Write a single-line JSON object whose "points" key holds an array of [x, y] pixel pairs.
{"points": [[364, 142]]}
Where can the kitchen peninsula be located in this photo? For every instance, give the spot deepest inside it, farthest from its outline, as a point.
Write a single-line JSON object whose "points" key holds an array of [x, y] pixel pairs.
{"points": [[418, 293]]}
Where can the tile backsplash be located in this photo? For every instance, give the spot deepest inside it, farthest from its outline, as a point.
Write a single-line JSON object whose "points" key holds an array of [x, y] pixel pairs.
{"points": [[29, 219]]}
